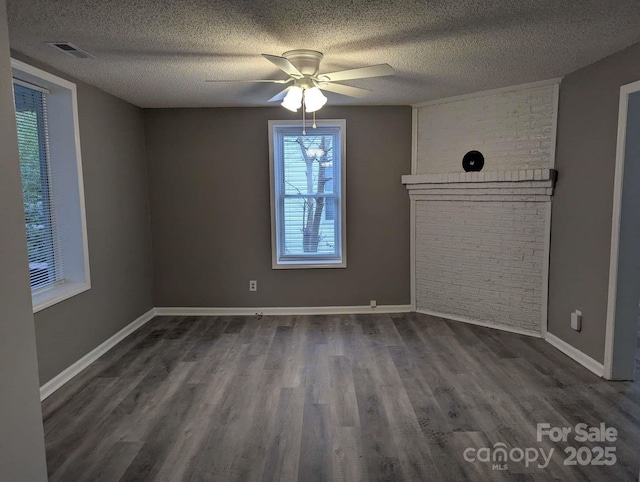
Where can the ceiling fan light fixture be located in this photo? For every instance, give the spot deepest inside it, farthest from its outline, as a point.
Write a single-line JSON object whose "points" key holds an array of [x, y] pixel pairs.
{"points": [[314, 99], [302, 68], [293, 99]]}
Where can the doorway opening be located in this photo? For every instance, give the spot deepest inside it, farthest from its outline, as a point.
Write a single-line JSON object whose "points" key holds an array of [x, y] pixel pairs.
{"points": [[637, 365], [621, 341]]}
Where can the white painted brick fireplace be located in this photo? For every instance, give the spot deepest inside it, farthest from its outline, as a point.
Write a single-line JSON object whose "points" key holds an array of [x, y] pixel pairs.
{"points": [[514, 128], [481, 252], [480, 240]]}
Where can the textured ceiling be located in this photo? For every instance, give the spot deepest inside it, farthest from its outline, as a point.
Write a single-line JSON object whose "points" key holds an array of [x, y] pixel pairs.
{"points": [[157, 53]]}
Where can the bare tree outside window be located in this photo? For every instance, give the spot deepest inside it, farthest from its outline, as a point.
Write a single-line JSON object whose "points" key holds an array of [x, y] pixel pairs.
{"points": [[314, 152]]}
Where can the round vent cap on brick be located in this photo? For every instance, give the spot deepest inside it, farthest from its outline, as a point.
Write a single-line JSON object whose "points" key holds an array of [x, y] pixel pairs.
{"points": [[473, 161]]}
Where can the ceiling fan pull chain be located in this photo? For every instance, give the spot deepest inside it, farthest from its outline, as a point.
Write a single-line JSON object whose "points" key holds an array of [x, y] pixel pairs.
{"points": [[314, 119], [304, 127]]}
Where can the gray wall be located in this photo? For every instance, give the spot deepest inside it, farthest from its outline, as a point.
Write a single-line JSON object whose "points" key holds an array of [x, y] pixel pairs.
{"points": [[583, 201], [117, 210], [21, 436], [209, 185]]}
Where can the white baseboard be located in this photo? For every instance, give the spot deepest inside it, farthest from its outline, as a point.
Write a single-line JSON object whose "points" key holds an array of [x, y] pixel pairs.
{"points": [[509, 329], [56, 382], [572, 352], [294, 310]]}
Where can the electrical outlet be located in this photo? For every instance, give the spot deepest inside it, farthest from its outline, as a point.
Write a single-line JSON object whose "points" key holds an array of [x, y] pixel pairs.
{"points": [[576, 320], [253, 285], [372, 303]]}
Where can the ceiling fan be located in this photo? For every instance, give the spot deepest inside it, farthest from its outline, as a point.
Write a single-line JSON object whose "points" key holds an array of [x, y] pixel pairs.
{"points": [[306, 87]]}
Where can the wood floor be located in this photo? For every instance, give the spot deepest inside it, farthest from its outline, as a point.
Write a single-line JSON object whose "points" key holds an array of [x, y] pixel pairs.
{"points": [[344, 398]]}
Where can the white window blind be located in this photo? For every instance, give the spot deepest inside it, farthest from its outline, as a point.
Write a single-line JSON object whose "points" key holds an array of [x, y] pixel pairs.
{"points": [[307, 195], [45, 267]]}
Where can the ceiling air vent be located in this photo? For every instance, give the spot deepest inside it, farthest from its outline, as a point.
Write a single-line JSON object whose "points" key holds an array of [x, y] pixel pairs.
{"points": [[70, 49]]}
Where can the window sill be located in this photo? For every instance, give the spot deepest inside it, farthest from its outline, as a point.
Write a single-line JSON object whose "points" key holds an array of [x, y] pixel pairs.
{"points": [[308, 265], [50, 296]]}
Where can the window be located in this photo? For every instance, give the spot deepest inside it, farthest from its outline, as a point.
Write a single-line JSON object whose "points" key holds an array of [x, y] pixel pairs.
{"points": [[33, 145], [307, 194], [51, 169]]}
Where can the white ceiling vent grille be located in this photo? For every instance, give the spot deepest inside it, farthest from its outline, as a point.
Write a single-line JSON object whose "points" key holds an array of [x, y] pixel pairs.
{"points": [[70, 49]]}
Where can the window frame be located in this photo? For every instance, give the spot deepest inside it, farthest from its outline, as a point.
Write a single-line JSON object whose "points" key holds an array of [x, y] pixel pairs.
{"points": [[66, 179], [277, 261]]}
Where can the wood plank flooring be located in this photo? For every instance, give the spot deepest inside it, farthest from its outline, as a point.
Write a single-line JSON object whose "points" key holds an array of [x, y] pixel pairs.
{"points": [[318, 398]]}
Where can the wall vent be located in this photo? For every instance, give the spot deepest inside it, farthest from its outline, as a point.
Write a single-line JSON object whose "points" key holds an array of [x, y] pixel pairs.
{"points": [[70, 49]]}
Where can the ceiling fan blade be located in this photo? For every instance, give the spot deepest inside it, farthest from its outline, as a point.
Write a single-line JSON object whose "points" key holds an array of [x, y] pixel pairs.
{"points": [[283, 64], [362, 73], [269, 81], [345, 90], [280, 95]]}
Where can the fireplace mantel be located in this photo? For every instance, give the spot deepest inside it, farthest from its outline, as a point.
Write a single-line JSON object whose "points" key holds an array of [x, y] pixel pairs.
{"points": [[518, 185]]}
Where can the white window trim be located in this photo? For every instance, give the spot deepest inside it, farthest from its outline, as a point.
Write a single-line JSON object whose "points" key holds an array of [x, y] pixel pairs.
{"points": [[50, 295], [304, 264]]}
